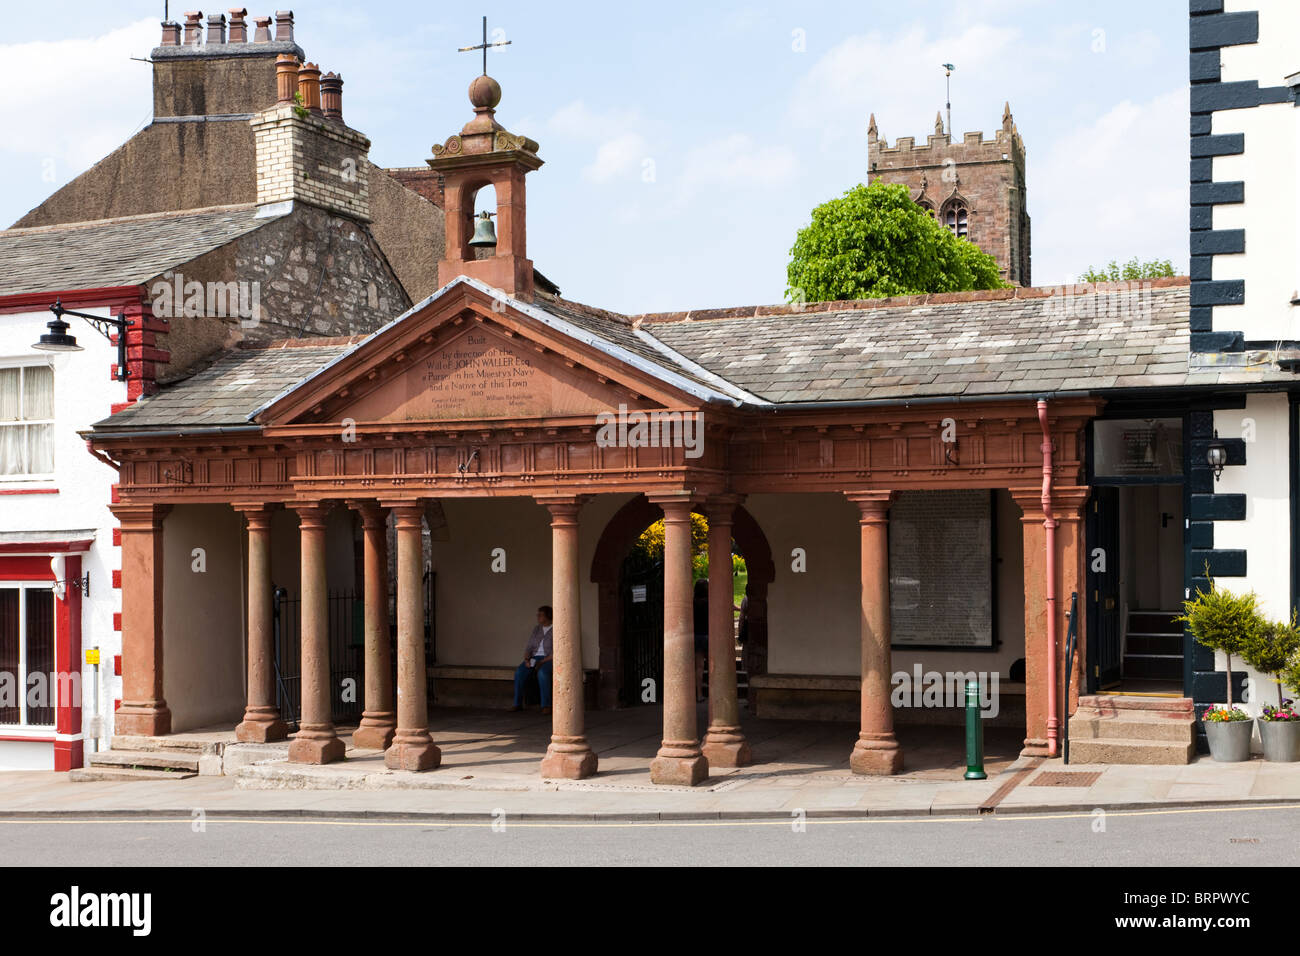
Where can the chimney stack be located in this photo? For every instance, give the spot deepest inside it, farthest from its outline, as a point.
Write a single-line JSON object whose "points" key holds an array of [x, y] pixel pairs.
{"points": [[331, 96], [286, 77], [238, 25], [284, 25], [193, 27], [217, 28], [263, 34], [171, 34], [309, 87]]}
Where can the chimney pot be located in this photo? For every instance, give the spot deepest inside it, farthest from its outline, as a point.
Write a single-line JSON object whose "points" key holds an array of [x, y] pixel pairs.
{"points": [[193, 27], [216, 28], [284, 25], [309, 87], [171, 33], [331, 96], [263, 34], [238, 25], [286, 77]]}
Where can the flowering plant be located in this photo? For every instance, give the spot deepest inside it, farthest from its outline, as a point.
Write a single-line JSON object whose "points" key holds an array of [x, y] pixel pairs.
{"points": [[1219, 714], [1286, 712]]}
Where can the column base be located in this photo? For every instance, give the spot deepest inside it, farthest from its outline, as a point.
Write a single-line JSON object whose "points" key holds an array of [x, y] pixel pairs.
{"points": [[375, 732], [1035, 747], [316, 743], [150, 718], [878, 755], [726, 747], [569, 758], [679, 764], [261, 725], [412, 750]]}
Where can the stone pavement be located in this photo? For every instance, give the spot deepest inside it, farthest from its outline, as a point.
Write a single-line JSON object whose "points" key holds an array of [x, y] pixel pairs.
{"points": [[490, 766]]}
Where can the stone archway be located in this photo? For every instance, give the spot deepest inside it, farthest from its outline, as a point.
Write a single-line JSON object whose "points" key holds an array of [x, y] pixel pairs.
{"points": [[616, 541]]}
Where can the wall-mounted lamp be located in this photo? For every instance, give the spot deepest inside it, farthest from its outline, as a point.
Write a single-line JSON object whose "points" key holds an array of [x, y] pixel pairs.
{"points": [[59, 566], [57, 338], [1216, 456]]}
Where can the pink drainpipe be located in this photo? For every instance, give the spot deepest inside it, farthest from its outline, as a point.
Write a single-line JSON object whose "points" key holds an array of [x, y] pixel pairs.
{"points": [[1049, 526]]}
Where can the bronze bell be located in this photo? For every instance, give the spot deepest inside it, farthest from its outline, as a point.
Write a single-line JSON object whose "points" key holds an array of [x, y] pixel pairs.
{"points": [[485, 234]]}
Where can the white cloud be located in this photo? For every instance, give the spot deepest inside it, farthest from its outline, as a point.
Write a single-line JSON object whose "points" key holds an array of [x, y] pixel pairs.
{"points": [[618, 158], [72, 102], [1118, 189]]}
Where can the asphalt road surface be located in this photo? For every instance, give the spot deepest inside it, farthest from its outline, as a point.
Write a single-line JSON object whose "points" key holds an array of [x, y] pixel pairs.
{"points": [[1216, 837]]}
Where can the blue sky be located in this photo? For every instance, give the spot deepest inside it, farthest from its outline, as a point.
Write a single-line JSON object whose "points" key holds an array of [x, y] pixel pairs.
{"points": [[686, 143]]}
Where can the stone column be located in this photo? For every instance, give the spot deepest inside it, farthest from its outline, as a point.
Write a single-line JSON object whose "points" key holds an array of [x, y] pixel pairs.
{"points": [[724, 744], [261, 723], [568, 756], [877, 750], [412, 748], [316, 740], [1067, 508], [378, 721], [680, 761], [143, 710]]}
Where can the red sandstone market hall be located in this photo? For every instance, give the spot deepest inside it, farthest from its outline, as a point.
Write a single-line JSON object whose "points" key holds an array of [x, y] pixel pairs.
{"points": [[907, 480]]}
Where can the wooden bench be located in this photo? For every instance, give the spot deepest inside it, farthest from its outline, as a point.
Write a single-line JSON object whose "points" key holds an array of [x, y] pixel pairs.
{"points": [[837, 697], [487, 685]]}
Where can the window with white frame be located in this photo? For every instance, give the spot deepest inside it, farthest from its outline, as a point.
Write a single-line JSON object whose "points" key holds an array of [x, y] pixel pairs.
{"points": [[26, 420], [27, 679]]}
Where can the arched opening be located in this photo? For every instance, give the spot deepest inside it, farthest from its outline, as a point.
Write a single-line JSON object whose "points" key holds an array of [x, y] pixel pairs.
{"points": [[956, 218], [632, 621], [485, 200]]}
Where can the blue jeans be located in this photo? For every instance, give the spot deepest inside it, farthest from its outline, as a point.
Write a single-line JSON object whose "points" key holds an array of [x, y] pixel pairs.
{"points": [[523, 672]]}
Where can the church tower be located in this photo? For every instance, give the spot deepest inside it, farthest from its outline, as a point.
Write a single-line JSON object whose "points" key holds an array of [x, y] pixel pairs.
{"points": [[975, 187]]}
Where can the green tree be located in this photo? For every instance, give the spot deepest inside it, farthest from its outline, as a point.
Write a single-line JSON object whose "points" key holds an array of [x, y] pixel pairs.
{"points": [[1223, 621], [1270, 648], [1130, 271], [874, 242]]}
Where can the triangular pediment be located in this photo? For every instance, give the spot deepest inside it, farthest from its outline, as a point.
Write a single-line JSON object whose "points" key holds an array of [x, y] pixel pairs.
{"points": [[464, 357]]}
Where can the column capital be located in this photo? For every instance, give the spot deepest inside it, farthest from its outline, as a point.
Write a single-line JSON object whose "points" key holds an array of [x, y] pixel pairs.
{"points": [[1067, 502], [139, 516], [677, 505], [400, 505], [872, 505], [311, 514], [256, 513], [373, 514], [721, 509], [562, 507]]}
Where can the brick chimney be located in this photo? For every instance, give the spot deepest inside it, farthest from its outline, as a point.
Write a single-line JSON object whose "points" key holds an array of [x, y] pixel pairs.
{"points": [[229, 75], [306, 157], [485, 153]]}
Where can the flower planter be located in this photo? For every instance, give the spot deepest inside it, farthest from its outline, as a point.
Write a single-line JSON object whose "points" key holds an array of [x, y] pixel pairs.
{"points": [[1229, 739], [1281, 740]]}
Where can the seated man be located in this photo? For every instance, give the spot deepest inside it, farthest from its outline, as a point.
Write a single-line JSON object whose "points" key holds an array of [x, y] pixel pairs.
{"points": [[537, 660]]}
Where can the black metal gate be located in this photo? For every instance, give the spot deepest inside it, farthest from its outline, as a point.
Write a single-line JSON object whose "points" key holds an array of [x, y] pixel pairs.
{"points": [[347, 655], [641, 584]]}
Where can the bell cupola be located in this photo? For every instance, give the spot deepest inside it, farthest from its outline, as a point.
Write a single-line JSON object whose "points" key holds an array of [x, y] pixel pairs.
{"points": [[483, 154]]}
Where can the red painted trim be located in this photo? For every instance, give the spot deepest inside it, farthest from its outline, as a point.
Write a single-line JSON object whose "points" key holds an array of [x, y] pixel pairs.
{"points": [[117, 665], [64, 546], [120, 295], [29, 491], [26, 567], [67, 659], [68, 755], [34, 740]]}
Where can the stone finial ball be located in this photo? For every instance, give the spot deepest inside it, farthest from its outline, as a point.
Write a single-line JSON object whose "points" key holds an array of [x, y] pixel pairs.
{"points": [[484, 93]]}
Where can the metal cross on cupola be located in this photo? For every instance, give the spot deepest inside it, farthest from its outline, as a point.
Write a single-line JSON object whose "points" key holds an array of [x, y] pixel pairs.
{"points": [[484, 46]]}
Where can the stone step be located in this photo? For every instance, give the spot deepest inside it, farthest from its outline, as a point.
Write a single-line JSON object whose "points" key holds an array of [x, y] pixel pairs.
{"points": [[1132, 725], [171, 744], [89, 774], [1110, 703], [150, 759], [1111, 750]]}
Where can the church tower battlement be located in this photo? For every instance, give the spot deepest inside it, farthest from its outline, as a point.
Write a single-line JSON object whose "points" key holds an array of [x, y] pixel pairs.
{"points": [[975, 187]]}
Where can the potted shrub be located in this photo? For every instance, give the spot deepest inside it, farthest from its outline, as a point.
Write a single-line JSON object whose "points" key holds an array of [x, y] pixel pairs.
{"points": [[1270, 649], [1227, 622]]}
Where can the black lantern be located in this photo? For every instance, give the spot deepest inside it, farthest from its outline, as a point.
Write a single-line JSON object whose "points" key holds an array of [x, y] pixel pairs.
{"points": [[57, 338], [1216, 456]]}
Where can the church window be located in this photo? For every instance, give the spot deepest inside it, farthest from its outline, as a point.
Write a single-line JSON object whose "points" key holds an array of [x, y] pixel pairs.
{"points": [[955, 218]]}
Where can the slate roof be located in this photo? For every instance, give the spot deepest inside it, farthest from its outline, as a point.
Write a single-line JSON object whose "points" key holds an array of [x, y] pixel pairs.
{"points": [[1019, 342], [225, 392], [117, 252]]}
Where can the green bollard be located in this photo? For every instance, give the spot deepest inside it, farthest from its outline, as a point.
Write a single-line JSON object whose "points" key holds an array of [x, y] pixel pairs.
{"points": [[974, 734]]}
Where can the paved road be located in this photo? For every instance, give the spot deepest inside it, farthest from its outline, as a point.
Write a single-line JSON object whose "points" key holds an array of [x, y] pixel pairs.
{"points": [[1217, 837]]}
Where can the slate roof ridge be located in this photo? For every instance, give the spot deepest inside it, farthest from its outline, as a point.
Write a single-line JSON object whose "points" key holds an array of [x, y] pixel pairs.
{"points": [[324, 341], [903, 301], [583, 308], [139, 217]]}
